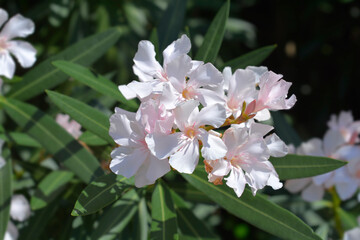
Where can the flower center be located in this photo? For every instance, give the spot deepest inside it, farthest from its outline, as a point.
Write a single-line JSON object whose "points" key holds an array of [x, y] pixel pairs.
{"points": [[189, 93], [3, 44], [190, 132]]}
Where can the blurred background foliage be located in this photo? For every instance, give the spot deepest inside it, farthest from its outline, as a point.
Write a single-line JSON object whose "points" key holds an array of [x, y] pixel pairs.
{"points": [[318, 47]]}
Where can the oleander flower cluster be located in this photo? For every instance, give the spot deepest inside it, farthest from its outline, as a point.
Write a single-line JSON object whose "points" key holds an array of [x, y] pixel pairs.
{"points": [[341, 141], [189, 110]]}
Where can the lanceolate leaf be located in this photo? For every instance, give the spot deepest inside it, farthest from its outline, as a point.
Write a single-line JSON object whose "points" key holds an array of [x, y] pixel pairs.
{"points": [[171, 23], [190, 226], [96, 82], [89, 118], [100, 193], [5, 191], [256, 210], [285, 131], [214, 36], [298, 166], [49, 188], [253, 58], [21, 139], [45, 76], [116, 218], [163, 225], [53, 138], [91, 139], [141, 221]]}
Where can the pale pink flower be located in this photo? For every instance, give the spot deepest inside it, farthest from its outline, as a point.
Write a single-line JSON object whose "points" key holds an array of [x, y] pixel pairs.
{"points": [[183, 147], [12, 232], [72, 127], [247, 158], [133, 156], [24, 52], [151, 74], [273, 93], [345, 123]]}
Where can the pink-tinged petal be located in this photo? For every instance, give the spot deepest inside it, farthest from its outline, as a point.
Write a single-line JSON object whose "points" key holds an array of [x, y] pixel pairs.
{"points": [[227, 75], [7, 65], [259, 71], [183, 112], [353, 234], [175, 49], [259, 128], [346, 189], [213, 147], [145, 58], [214, 115], [296, 185], [126, 161], [205, 75], [332, 141], [242, 84], [313, 147], [3, 16], [170, 97], [233, 137], [313, 193], [236, 181], [177, 70], [18, 26], [24, 52], [129, 115], [120, 128], [258, 176], [12, 232], [72, 127], [150, 170], [162, 146], [127, 92], [208, 97], [263, 115], [19, 208], [186, 158], [276, 146]]}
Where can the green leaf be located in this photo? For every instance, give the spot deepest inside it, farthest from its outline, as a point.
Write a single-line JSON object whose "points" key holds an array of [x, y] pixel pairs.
{"points": [[214, 36], [154, 39], [89, 117], [5, 191], [91, 139], [95, 81], [299, 166], [284, 130], [100, 193], [53, 138], [45, 76], [188, 192], [253, 58], [171, 23], [116, 218], [141, 221], [190, 226], [49, 188], [163, 225], [21, 139], [348, 220], [257, 210]]}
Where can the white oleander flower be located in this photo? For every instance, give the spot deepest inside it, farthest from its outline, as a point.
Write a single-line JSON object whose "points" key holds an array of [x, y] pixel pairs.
{"points": [[24, 52]]}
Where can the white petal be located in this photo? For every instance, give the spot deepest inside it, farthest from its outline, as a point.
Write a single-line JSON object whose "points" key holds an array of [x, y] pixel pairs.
{"points": [[312, 147], [353, 234], [7, 65], [296, 185], [242, 82], [205, 75], [227, 74], [276, 146], [176, 48], [213, 147], [323, 178], [126, 161], [313, 193], [236, 181], [120, 128], [177, 70], [186, 159], [263, 115], [221, 167], [259, 71], [127, 92], [169, 97], [142, 89], [274, 182], [150, 170], [332, 141], [12, 232], [208, 97], [183, 112], [19, 208], [24, 52], [3, 16], [162, 146], [145, 58], [18, 26], [214, 115], [259, 128], [346, 189]]}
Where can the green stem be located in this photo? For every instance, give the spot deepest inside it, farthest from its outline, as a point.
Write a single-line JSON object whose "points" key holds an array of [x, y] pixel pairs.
{"points": [[336, 206]]}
